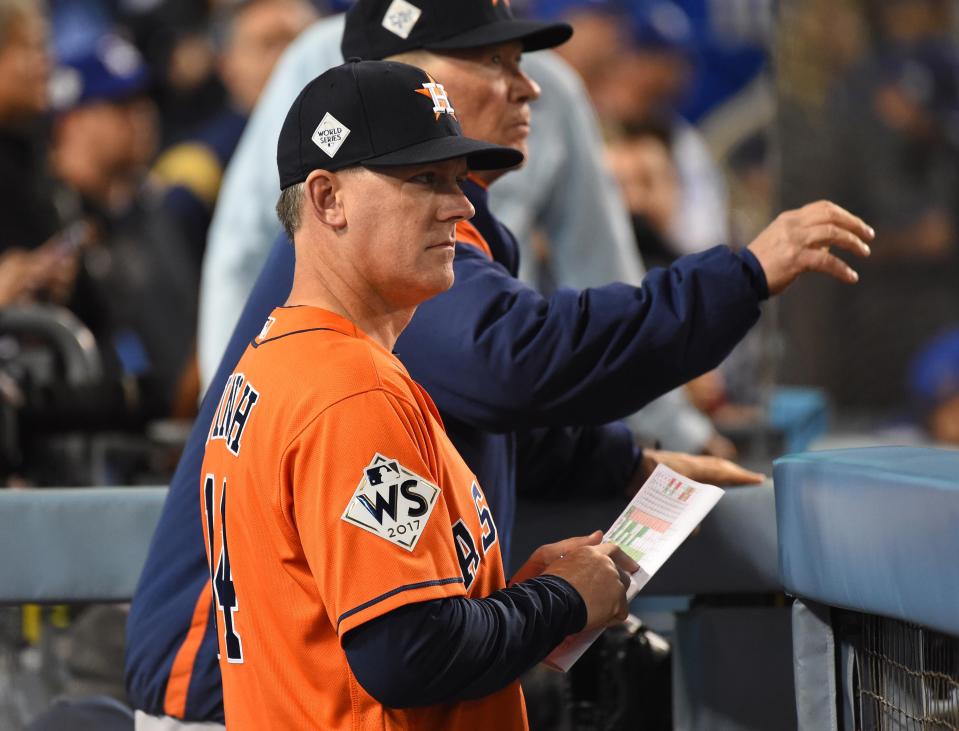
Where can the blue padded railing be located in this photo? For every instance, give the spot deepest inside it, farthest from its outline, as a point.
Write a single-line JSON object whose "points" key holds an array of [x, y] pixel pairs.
{"points": [[78, 544], [734, 552], [873, 530], [89, 544]]}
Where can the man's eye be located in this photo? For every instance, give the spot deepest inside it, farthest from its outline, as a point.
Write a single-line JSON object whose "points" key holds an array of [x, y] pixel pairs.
{"points": [[496, 60], [424, 178]]}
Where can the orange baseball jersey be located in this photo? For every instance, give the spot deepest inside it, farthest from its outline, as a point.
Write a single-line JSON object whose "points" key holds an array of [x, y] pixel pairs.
{"points": [[331, 495]]}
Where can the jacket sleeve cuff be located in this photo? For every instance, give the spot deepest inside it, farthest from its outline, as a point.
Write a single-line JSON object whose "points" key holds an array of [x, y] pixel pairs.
{"points": [[756, 273]]}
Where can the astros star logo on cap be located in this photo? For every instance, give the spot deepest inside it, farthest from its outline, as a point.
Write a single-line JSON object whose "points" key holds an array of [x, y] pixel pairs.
{"points": [[436, 92]]}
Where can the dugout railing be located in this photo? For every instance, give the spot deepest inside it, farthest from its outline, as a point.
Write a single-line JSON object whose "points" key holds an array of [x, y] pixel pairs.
{"points": [[89, 545], [732, 652], [869, 546]]}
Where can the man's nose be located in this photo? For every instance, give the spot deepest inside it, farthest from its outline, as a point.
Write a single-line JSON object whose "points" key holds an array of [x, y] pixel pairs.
{"points": [[524, 88], [457, 208]]}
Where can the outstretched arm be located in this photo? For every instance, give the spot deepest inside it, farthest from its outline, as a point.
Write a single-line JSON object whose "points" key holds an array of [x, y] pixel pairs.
{"points": [[513, 359]]}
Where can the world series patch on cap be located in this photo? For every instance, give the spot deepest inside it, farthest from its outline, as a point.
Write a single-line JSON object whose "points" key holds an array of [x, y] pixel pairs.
{"points": [[381, 28], [377, 114]]}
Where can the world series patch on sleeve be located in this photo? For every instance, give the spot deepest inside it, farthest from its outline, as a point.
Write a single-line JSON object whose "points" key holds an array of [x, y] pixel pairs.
{"points": [[657, 520], [392, 502]]}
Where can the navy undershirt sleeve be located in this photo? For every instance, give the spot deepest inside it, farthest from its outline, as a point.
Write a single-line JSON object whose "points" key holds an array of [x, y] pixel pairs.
{"points": [[458, 649]]}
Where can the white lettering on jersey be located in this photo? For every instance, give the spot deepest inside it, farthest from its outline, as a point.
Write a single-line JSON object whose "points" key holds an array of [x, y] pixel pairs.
{"points": [[232, 414], [392, 502]]}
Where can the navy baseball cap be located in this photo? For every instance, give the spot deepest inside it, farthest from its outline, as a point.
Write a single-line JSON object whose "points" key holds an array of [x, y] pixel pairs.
{"points": [[381, 28], [111, 70], [377, 114]]}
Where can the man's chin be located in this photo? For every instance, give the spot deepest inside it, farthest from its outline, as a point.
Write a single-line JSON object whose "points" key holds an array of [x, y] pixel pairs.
{"points": [[440, 282]]}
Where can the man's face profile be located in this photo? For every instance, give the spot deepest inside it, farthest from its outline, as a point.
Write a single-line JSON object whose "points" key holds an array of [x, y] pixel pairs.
{"points": [[404, 219], [490, 90]]}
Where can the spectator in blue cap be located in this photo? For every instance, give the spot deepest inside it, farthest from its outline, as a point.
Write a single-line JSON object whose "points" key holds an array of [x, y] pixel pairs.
{"points": [[934, 385], [105, 131], [137, 274]]}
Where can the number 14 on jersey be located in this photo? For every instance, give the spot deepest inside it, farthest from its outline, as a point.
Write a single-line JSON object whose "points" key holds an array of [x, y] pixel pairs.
{"points": [[221, 576]]}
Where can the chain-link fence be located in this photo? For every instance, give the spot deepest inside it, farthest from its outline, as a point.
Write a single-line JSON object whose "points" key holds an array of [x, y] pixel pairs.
{"points": [[906, 677]]}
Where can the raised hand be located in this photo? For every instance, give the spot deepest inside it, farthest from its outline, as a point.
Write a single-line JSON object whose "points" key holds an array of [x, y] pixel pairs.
{"points": [[798, 241]]}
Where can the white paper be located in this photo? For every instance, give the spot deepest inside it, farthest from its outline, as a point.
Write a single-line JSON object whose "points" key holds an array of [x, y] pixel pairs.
{"points": [[657, 520]]}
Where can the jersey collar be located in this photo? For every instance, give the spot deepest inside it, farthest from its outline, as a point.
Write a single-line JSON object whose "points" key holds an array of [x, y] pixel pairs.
{"points": [[300, 318], [294, 319]]}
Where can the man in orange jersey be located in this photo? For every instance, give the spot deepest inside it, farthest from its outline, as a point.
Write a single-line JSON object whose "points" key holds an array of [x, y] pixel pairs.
{"points": [[355, 564], [498, 358]]}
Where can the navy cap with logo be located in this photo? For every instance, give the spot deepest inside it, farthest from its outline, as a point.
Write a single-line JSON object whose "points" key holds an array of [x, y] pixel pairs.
{"points": [[381, 28], [377, 114]]}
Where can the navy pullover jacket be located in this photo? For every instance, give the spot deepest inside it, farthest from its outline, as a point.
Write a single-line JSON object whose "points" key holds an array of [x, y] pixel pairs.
{"points": [[502, 363]]}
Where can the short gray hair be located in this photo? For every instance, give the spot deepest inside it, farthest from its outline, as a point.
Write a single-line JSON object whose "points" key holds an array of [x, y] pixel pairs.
{"points": [[289, 208]]}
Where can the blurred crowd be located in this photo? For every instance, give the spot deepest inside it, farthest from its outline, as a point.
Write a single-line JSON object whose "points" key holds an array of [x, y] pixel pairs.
{"points": [[116, 123], [118, 119], [867, 115]]}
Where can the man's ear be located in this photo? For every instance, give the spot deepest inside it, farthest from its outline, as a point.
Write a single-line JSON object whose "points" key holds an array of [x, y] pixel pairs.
{"points": [[324, 199]]}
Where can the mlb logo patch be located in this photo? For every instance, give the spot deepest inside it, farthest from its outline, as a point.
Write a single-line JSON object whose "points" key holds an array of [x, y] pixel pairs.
{"points": [[392, 502], [330, 134], [400, 18]]}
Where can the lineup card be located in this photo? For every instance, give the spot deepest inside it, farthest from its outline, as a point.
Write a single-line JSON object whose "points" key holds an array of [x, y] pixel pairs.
{"points": [[657, 520]]}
